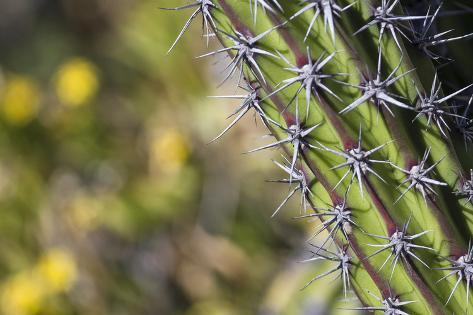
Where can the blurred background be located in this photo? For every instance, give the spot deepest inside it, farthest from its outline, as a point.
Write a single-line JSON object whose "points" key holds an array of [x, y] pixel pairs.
{"points": [[111, 200]]}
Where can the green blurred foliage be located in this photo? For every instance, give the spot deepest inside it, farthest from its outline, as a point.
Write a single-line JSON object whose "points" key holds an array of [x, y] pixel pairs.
{"points": [[111, 200]]}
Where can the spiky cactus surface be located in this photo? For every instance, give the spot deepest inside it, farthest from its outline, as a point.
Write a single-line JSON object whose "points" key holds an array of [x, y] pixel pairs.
{"points": [[369, 102]]}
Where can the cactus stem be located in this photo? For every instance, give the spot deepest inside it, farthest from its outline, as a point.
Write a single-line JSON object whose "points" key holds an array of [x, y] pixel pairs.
{"points": [[315, 152]]}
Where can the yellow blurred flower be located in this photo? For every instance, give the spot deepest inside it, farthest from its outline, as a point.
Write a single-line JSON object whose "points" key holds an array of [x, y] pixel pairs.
{"points": [[22, 295], [57, 269], [84, 211], [169, 151], [20, 100], [26, 292], [76, 82]]}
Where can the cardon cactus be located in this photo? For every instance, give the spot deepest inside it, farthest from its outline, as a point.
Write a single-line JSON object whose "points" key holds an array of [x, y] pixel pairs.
{"points": [[371, 105]]}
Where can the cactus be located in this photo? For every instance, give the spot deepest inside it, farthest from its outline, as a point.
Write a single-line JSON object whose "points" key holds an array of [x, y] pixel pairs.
{"points": [[371, 104]]}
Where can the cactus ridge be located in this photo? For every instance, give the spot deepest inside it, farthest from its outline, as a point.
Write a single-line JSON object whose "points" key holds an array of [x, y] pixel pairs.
{"points": [[382, 110]]}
